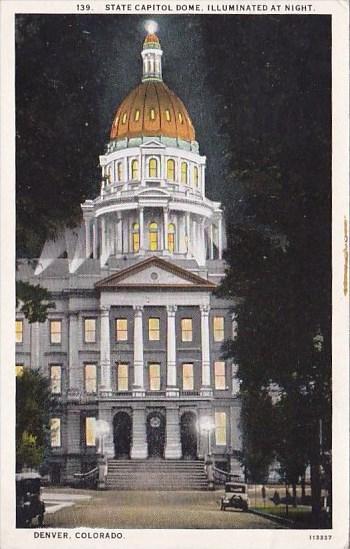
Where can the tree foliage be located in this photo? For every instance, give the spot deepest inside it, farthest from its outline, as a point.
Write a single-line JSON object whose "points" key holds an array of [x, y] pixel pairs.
{"points": [[33, 402]]}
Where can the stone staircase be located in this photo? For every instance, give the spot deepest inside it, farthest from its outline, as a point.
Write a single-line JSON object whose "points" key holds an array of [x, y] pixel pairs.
{"points": [[156, 474]]}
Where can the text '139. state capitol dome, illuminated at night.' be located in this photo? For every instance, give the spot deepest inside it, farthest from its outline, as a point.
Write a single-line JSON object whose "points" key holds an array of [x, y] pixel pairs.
{"points": [[135, 341]]}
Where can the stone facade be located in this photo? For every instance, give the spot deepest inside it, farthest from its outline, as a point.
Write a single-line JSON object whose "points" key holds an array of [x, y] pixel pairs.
{"points": [[136, 336]]}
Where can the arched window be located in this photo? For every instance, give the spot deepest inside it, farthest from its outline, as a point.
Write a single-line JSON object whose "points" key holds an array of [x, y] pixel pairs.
{"points": [[184, 170], [167, 115], [181, 120], [137, 115], [171, 237], [152, 114], [134, 169], [135, 237], [153, 236], [124, 119], [195, 176], [170, 169], [119, 171], [153, 168]]}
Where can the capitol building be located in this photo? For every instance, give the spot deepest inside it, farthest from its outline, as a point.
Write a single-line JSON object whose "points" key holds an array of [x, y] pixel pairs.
{"points": [[136, 336]]}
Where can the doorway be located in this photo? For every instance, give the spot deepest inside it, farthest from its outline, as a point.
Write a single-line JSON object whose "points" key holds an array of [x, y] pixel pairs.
{"points": [[122, 435], [155, 435], [188, 428]]}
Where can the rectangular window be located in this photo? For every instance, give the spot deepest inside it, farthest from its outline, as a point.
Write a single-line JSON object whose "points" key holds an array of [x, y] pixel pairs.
{"points": [[90, 330], [55, 377], [19, 331], [55, 331], [219, 328], [55, 432], [90, 378], [187, 377], [154, 377], [19, 370], [220, 375], [122, 377], [90, 435], [153, 329], [121, 329], [186, 329], [220, 428]]}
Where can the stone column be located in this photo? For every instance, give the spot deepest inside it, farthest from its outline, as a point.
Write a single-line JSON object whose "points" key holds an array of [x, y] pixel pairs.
{"points": [[172, 390], [206, 389], [105, 352], [35, 345], [211, 244], [220, 237], [188, 233], [165, 229], [103, 238], [94, 238], [73, 366], [141, 229], [104, 413], [87, 238], [173, 449], [139, 438], [139, 388]]}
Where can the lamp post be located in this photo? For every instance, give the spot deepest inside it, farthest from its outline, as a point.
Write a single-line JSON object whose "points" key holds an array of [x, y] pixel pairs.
{"points": [[102, 429], [206, 425]]}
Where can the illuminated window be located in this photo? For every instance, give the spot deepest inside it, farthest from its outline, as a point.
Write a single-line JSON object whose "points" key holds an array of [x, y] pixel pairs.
{"points": [[55, 378], [184, 172], [55, 331], [219, 328], [137, 115], [153, 168], [220, 375], [120, 171], [195, 176], [90, 431], [170, 169], [135, 237], [55, 432], [186, 329], [152, 114], [153, 329], [90, 378], [125, 116], [19, 370], [181, 120], [121, 329], [187, 377], [19, 331], [90, 330], [168, 115], [134, 169], [171, 237], [220, 428], [153, 236], [154, 377], [123, 377]]}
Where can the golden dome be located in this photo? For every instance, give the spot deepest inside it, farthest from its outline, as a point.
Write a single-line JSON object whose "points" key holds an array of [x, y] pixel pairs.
{"points": [[152, 109]]}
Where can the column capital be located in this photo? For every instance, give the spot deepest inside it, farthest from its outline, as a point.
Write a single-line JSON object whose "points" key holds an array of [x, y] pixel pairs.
{"points": [[204, 309], [74, 314], [104, 309], [138, 309], [171, 309]]}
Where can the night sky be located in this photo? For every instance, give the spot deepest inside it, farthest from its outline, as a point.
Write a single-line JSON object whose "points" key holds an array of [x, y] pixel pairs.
{"points": [[252, 85]]}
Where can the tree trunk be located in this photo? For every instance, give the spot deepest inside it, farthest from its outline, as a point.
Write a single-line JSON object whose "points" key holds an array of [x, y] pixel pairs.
{"points": [[316, 493], [294, 497], [303, 493]]}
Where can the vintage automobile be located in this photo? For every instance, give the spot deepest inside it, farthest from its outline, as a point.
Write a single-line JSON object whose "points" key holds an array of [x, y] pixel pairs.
{"points": [[28, 500], [236, 496]]}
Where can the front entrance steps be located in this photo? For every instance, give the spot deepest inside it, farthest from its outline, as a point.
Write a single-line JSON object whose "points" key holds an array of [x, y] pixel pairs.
{"points": [[156, 474]]}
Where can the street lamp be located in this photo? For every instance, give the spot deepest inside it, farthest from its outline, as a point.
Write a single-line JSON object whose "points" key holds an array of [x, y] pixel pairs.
{"points": [[206, 425], [102, 429]]}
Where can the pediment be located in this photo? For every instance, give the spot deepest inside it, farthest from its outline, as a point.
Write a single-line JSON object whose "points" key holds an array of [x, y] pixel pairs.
{"points": [[152, 143], [155, 273], [153, 192]]}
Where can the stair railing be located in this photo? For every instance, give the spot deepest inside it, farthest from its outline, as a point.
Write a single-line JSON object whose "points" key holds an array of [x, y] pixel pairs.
{"points": [[87, 479]]}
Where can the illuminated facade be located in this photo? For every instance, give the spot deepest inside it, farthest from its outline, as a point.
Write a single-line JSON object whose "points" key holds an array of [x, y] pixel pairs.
{"points": [[136, 336]]}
